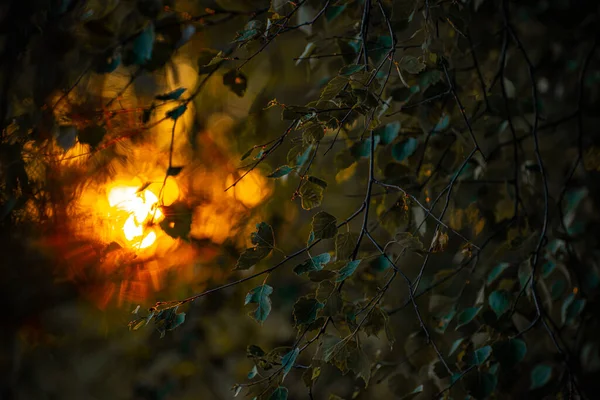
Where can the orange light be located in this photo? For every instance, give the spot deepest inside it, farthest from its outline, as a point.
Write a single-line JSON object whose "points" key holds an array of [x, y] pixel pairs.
{"points": [[141, 209]]}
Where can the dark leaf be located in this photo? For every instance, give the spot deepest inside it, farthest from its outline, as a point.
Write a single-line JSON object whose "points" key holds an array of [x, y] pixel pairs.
{"points": [[280, 393], [324, 225], [351, 69], [345, 244], [250, 257], [247, 154], [263, 236], [177, 112], [317, 181], [174, 95], [305, 310], [67, 136], [178, 220], [174, 171], [92, 135], [411, 64], [204, 59], [509, 353], [571, 308], [236, 81]]}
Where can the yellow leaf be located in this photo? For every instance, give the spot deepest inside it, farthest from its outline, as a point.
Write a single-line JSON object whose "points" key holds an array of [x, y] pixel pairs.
{"points": [[345, 174]]}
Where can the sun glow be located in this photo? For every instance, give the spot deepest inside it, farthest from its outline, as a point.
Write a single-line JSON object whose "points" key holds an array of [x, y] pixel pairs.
{"points": [[135, 211]]}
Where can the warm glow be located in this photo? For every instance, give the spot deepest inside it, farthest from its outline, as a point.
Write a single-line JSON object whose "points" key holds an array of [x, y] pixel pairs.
{"points": [[139, 210]]}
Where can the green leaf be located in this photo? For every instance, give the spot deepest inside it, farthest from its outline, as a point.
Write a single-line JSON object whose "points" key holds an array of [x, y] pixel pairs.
{"points": [[496, 272], [558, 288], [509, 353], [363, 148], [313, 264], [380, 48], [571, 308], [168, 319], [345, 244], [455, 346], [288, 361], [388, 133], [174, 95], [401, 151], [303, 157], [380, 263], [280, 393], [260, 296], [324, 225], [311, 195], [313, 132], [143, 45], [333, 12], [547, 268], [445, 320], [236, 81], [252, 30], [499, 301], [347, 270], [308, 50], [411, 64], [408, 242], [467, 315], [442, 124], [177, 112], [350, 69], [333, 88], [540, 376], [253, 372], [305, 311], [480, 355], [281, 171], [205, 64], [415, 392]]}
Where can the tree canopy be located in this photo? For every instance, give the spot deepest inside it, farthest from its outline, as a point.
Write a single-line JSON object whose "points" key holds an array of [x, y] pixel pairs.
{"points": [[441, 157]]}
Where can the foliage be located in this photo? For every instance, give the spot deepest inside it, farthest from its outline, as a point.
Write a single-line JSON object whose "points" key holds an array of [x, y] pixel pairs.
{"points": [[442, 156]]}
